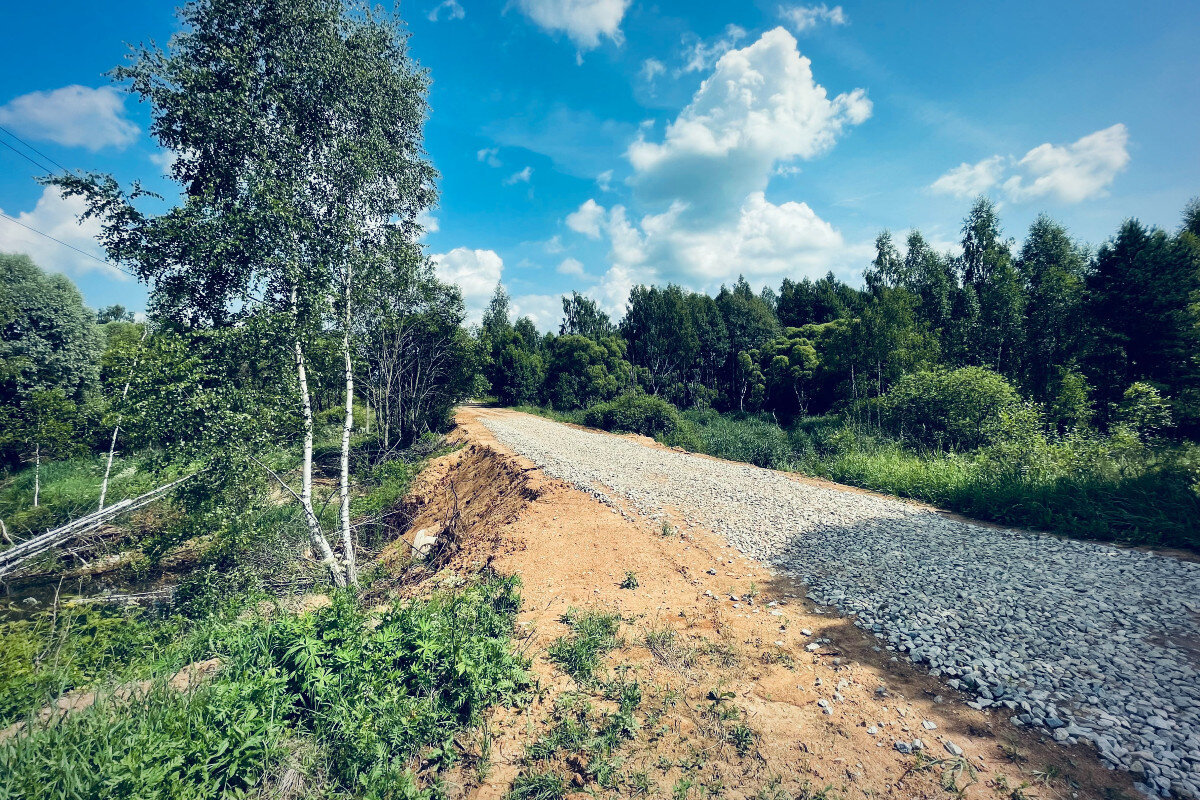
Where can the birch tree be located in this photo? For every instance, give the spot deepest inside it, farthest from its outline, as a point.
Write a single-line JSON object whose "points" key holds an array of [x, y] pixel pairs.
{"points": [[297, 128]]}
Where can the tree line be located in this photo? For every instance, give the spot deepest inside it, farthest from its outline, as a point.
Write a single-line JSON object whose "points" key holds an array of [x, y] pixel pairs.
{"points": [[1079, 332]]}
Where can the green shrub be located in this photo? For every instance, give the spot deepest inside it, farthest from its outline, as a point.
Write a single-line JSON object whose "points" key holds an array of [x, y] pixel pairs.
{"points": [[948, 408], [634, 413], [371, 693], [376, 696], [748, 438], [1144, 410]]}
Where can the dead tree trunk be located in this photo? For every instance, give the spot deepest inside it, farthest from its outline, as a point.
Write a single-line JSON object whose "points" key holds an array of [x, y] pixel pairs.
{"points": [[37, 472], [13, 557], [112, 448]]}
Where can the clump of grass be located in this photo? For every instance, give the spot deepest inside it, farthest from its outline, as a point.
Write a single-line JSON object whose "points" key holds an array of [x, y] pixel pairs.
{"points": [[663, 644], [630, 581], [593, 635], [590, 739], [726, 722], [537, 785]]}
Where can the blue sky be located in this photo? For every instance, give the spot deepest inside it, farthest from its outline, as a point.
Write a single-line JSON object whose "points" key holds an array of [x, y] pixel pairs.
{"points": [[596, 144]]}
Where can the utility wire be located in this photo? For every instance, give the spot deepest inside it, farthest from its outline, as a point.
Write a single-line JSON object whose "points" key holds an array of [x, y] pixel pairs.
{"points": [[40, 166], [64, 244], [42, 233], [34, 149]]}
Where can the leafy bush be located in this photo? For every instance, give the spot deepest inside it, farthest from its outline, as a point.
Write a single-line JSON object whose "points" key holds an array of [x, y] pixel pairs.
{"points": [[372, 693], [214, 742], [948, 408], [634, 413], [1144, 410], [375, 696]]}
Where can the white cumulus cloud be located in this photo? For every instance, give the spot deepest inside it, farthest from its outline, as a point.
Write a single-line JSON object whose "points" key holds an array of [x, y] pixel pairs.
{"points": [[56, 216], [706, 174], [764, 241], [803, 18], [1069, 173], [587, 219], [760, 106], [544, 309], [73, 116], [1074, 172], [428, 222], [583, 21], [571, 266], [475, 272], [969, 180]]}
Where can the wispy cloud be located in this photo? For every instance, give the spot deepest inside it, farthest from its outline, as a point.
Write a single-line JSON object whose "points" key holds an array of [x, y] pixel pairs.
{"points": [[489, 156], [804, 18], [451, 8], [520, 176]]}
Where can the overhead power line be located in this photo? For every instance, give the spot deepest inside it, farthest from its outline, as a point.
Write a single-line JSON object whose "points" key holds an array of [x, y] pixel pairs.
{"points": [[28, 158], [65, 244], [34, 149]]}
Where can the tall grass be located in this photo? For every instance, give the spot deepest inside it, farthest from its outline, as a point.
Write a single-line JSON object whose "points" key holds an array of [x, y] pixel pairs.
{"points": [[1085, 485]]}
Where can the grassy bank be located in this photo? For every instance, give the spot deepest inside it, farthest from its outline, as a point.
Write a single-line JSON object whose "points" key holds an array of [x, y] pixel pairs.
{"points": [[345, 702], [1114, 488]]}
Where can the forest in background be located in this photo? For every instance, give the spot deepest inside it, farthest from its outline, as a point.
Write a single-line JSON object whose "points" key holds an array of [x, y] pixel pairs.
{"points": [[1043, 384]]}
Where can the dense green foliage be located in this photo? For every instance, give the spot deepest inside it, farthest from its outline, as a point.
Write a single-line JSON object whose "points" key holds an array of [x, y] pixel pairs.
{"points": [[958, 408], [1066, 329], [370, 692], [634, 413]]}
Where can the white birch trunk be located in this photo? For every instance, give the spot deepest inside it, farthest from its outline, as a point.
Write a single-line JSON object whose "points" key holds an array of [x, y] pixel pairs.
{"points": [[347, 429], [37, 472], [319, 542], [112, 448]]}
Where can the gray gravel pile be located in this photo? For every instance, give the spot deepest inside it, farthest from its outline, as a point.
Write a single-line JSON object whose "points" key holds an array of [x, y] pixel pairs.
{"points": [[1083, 640]]}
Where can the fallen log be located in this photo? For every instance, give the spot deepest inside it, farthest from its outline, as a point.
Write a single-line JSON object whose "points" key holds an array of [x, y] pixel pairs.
{"points": [[12, 558]]}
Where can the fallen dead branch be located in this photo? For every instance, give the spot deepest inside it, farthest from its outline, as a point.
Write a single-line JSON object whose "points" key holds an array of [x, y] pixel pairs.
{"points": [[12, 558]]}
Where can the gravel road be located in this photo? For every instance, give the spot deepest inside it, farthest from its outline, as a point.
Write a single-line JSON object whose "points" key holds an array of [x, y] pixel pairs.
{"points": [[1083, 640]]}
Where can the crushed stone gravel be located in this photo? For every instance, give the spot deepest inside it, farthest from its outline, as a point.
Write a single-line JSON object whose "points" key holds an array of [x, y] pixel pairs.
{"points": [[1085, 641]]}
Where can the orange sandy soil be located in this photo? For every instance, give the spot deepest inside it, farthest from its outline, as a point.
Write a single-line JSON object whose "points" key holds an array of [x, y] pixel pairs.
{"points": [[573, 552]]}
